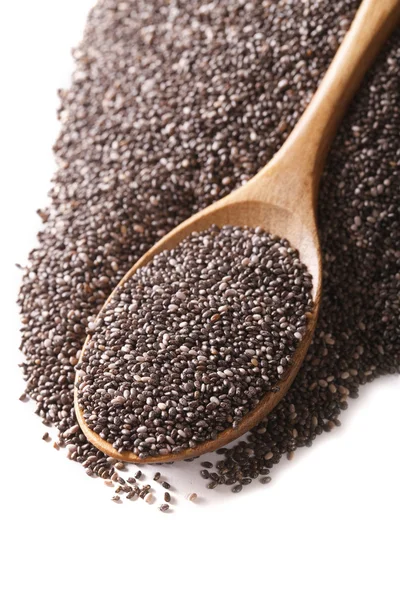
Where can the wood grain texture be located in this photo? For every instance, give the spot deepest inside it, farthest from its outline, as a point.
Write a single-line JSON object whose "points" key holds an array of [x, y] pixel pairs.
{"points": [[282, 199]]}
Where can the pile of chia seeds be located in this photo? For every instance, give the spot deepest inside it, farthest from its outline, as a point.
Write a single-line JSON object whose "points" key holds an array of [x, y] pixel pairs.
{"points": [[194, 340], [172, 106]]}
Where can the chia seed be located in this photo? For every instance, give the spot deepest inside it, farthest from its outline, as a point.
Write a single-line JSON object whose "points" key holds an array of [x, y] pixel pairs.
{"points": [[119, 188], [206, 464]]}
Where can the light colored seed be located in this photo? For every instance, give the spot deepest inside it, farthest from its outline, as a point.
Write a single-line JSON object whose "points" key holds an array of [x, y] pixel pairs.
{"points": [[71, 431], [118, 400]]}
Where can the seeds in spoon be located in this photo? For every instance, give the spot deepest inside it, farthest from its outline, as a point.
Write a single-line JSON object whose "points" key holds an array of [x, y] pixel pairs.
{"points": [[185, 376]]}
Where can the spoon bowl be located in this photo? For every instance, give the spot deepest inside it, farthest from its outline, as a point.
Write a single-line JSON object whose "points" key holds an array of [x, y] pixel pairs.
{"points": [[281, 199], [244, 207]]}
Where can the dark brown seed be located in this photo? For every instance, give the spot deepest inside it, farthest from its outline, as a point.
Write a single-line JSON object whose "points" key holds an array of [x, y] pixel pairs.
{"points": [[264, 471], [237, 488], [212, 485], [206, 464], [46, 437], [166, 485], [138, 474], [131, 480], [167, 497], [116, 498], [164, 507], [157, 476], [205, 474], [265, 479]]}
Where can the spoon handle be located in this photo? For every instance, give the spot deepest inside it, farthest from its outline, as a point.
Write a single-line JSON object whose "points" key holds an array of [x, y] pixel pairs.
{"points": [[308, 144]]}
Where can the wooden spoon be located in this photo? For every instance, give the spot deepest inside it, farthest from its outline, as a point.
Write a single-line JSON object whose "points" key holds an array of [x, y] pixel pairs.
{"points": [[282, 199]]}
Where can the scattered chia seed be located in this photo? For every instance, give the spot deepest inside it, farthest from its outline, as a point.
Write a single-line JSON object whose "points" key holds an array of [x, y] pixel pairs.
{"points": [[192, 497], [164, 507], [138, 474], [119, 188], [265, 479], [46, 437], [157, 476], [246, 481], [166, 485], [263, 471], [116, 498], [237, 488], [167, 497], [206, 464]]}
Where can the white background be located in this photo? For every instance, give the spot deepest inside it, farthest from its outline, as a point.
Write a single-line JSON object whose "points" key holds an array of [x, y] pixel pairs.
{"points": [[328, 525]]}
